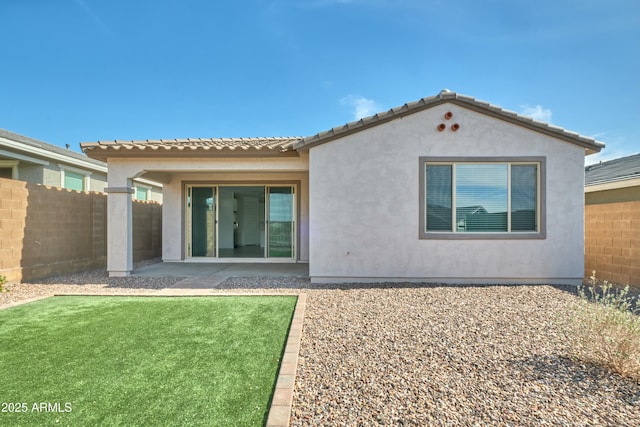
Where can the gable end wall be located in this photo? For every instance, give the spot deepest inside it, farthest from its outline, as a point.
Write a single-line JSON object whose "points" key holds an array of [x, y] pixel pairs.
{"points": [[364, 205]]}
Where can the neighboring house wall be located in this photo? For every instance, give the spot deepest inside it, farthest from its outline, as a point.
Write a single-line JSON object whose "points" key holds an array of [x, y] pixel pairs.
{"points": [[364, 192], [612, 220], [46, 231], [99, 183], [41, 163], [612, 235], [156, 195], [31, 173], [52, 176], [615, 195], [145, 192]]}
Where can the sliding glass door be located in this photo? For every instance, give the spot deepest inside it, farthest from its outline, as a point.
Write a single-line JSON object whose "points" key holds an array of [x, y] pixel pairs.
{"points": [[201, 224], [280, 223], [240, 221]]}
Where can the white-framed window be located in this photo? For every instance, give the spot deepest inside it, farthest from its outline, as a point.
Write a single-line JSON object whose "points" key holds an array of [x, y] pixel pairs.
{"points": [[142, 192], [75, 179], [487, 197]]}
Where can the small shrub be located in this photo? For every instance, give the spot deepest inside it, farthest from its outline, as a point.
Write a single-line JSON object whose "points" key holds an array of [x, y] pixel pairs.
{"points": [[605, 328], [3, 281]]}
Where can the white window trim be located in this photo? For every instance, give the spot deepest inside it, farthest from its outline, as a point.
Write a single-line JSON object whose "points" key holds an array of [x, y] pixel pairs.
{"points": [[541, 233], [13, 164], [86, 185]]}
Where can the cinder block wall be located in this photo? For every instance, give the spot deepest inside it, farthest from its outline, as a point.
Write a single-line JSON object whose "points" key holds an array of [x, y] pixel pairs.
{"points": [[612, 242], [147, 230], [13, 211], [46, 231]]}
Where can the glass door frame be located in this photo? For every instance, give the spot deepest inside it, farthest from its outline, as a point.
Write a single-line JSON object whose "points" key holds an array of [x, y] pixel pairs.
{"points": [[187, 228], [188, 240], [294, 217]]}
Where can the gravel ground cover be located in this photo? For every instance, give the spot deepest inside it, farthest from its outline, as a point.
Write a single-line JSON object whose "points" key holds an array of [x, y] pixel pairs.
{"points": [[402, 354], [434, 355], [88, 282]]}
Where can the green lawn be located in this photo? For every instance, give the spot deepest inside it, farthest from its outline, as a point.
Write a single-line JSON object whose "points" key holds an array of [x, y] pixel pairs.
{"points": [[141, 360]]}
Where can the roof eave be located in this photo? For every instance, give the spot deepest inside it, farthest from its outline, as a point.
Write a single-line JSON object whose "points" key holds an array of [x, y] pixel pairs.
{"points": [[34, 150], [366, 123], [590, 145], [612, 184], [102, 152]]}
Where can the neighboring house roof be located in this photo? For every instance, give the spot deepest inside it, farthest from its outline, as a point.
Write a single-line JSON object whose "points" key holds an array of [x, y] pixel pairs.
{"points": [[31, 150], [590, 144], [288, 145], [616, 170], [190, 146], [470, 210]]}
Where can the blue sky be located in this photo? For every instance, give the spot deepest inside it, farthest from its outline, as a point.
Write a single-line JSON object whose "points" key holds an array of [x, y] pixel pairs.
{"points": [[88, 70]]}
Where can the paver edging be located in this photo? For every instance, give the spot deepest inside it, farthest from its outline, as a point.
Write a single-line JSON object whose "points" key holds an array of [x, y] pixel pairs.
{"points": [[282, 401]]}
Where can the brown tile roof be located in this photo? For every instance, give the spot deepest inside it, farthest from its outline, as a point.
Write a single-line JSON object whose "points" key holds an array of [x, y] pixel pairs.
{"points": [[590, 144], [288, 145], [189, 146]]}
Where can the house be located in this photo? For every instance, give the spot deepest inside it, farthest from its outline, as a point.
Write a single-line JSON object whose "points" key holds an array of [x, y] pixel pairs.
{"points": [[612, 220], [30, 160], [358, 201]]}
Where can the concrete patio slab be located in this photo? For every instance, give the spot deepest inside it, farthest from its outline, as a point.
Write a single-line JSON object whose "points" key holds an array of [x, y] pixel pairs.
{"points": [[238, 269], [201, 278]]}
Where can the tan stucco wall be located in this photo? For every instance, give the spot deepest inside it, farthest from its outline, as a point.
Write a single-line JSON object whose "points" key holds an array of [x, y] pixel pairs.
{"points": [[364, 205], [612, 241]]}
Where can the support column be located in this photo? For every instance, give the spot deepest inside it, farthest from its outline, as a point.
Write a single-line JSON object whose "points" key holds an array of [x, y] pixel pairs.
{"points": [[120, 230]]}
